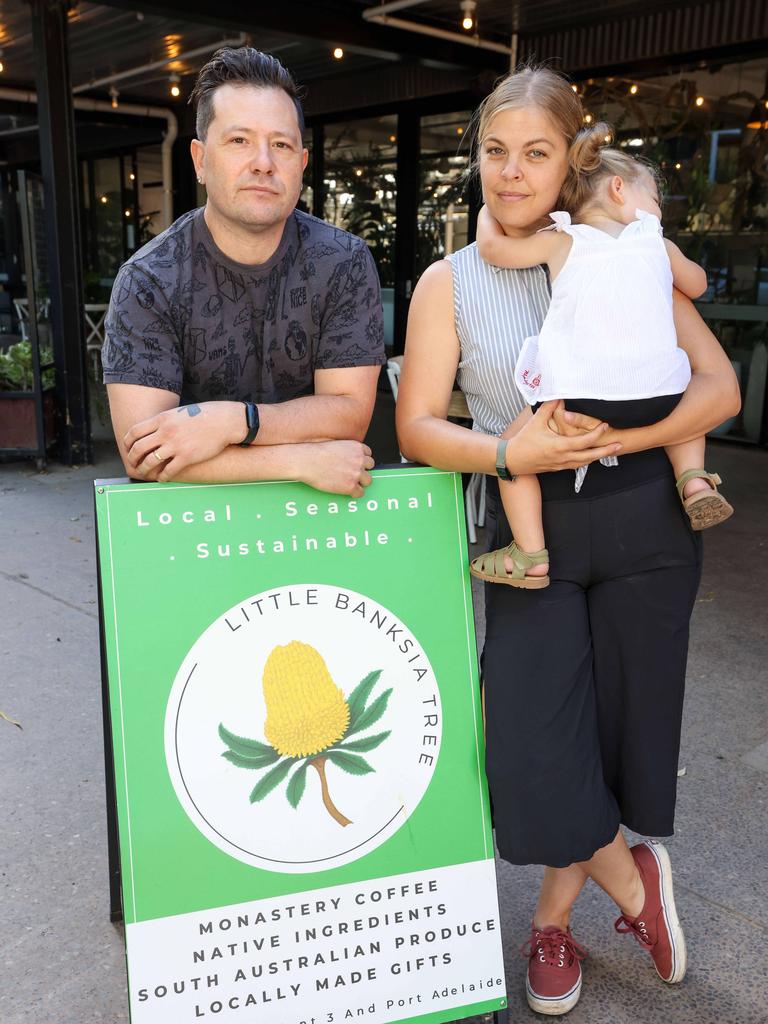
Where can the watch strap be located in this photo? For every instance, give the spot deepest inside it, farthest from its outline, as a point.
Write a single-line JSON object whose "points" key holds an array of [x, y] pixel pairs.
{"points": [[252, 423], [501, 461]]}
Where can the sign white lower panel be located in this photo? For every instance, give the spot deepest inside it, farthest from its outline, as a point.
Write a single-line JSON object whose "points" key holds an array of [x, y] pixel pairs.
{"points": [[379, 951]]}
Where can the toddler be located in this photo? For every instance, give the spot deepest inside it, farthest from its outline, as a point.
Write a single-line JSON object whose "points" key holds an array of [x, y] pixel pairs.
{"points": [[609, 333]]}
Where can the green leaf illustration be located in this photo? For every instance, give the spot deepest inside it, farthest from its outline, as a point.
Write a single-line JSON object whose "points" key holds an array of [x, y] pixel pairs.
{"points": [[359, 696], [296, 786], [261, 761], [371, 714], [365, 744], [242, 745], [271, 779], [349, 762]]}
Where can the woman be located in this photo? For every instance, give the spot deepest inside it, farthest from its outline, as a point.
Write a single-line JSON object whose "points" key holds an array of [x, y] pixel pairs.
{"points": [[583, 681]]}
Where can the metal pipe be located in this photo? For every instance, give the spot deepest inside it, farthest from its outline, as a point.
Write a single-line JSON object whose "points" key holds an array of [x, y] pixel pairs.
{"points": [[371, 14], [134, 109], [132, 72]]}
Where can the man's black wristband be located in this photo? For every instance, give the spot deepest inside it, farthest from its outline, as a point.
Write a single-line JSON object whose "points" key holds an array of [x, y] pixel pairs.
{"points": [[252, 423]]}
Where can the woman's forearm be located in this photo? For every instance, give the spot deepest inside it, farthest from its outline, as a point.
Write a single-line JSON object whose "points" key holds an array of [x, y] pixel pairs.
{"points": [[533, 447], [708, 400]]}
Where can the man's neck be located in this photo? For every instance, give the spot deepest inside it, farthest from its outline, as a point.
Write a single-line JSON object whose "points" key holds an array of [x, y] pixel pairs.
{"points": [[249, 245]]}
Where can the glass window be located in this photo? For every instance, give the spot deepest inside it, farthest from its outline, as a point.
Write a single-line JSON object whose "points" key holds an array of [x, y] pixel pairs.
{"points": [[360, 185], [443, 214]]}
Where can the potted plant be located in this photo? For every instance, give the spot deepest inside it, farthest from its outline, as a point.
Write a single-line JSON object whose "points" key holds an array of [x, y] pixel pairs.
{"points": [[18, 423]]}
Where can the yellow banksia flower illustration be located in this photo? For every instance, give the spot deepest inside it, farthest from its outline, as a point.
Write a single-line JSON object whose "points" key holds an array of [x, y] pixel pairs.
{"points": [[309, 724], [306, 711]]}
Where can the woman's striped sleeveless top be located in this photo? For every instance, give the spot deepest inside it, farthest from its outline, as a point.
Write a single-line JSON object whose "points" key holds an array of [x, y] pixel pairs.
{"points": [[495, 310]]}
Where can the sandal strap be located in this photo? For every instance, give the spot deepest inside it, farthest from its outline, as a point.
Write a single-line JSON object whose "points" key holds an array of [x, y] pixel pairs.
{"points": [[692, 474], [492, 562]]}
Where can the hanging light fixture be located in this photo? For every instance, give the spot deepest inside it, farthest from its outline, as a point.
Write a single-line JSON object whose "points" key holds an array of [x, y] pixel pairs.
{"points": [[468, 20], [113, 94], [175, 87]]}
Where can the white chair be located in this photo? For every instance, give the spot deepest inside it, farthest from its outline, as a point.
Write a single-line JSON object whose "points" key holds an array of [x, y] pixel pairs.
{"points": [[21, 307], [95, 314], [474, 496]]}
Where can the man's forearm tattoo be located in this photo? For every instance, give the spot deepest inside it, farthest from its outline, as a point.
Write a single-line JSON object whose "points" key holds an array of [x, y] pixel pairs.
{"points": [[190, 410]]}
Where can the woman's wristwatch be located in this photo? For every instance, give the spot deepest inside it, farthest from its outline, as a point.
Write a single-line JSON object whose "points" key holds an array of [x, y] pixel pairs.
{"points": [[501, 461]]}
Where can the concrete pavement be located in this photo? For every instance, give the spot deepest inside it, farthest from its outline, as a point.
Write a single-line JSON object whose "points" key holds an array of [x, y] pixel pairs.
{"points": [[61, 961]]}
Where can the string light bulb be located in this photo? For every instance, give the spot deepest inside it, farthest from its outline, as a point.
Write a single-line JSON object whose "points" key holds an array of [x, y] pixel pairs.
{"points": [[175, 87], [575, 87], [699, 101], [678, 166], [633, 90], [113, 94], [587, 119], [468, 8], [338, 53]]}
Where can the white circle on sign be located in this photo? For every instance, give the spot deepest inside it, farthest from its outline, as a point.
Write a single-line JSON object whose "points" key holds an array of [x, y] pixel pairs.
{"points": [[357, 791]]}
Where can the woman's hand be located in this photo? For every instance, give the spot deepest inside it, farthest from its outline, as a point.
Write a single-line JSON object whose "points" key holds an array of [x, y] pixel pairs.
{"points": [[539, 448], [571, 424]]}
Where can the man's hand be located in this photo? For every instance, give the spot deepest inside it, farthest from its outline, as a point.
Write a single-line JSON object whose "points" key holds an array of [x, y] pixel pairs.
{"points": [[160, 447], [339, 467], [536, 448]]}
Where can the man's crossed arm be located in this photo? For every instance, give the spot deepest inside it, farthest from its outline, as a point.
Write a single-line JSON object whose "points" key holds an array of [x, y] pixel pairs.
{"points": [[316, 439]]}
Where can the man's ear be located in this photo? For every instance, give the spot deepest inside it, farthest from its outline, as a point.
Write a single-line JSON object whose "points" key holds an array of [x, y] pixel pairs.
{"points": [[197, 150], [616, 190]]}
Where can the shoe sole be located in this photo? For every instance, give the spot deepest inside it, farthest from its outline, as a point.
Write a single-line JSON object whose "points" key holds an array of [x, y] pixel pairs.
{"points": [[674, 930], [708, 511], [524, 582], [551, 1006]]}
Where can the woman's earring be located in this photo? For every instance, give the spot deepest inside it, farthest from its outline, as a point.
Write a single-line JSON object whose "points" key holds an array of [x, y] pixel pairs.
{"points": [[199, 181]]}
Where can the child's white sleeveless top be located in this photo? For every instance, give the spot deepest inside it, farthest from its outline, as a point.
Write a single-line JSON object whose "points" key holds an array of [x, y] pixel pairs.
{"points": [[609, 333]]}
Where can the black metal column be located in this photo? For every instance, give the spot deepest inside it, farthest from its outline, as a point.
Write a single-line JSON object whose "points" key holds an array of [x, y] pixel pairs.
{"points": [[58, 158], [318, 171], [406, 211]]}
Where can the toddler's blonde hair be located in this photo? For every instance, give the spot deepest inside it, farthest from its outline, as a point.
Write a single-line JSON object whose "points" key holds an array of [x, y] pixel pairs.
{"points": [[591, 160]]}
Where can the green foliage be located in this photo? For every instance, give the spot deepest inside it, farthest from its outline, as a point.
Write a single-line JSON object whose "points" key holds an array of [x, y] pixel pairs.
{"points": [[271, 779], [17, 369], [350, 763]]}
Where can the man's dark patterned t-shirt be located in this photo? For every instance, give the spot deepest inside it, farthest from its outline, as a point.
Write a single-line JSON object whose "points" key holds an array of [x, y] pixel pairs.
{"points": [[185, 318]]}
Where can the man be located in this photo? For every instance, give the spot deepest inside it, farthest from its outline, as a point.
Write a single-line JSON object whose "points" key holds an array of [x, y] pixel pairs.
{"points": [[244, 342]]}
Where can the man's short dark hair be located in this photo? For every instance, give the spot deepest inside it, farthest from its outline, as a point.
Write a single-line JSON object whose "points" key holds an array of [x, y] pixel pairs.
{"points": [[243, 65]]}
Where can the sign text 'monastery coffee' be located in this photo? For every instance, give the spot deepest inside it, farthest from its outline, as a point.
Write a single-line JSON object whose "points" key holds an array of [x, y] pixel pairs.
{"points": [[304, 825]]}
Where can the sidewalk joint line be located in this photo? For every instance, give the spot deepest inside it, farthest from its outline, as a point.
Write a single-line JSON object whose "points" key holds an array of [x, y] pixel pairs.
{"points": [[46, 593], [761, 925]]}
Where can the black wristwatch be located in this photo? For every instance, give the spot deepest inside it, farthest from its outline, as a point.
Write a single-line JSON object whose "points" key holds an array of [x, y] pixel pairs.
{"points": [[501, 461], [252, 423]]}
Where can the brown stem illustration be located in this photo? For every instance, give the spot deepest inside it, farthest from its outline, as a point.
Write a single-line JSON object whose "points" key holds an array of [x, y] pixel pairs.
{"points": [[335, 813]]}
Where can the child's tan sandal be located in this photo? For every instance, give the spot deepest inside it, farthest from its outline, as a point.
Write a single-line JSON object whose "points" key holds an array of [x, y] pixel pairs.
{"points": [[490, 567], [704, 508]]}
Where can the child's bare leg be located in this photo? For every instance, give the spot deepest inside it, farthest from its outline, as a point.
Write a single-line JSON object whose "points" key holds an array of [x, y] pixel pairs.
{"points": [[689, 455], [521, 499]]}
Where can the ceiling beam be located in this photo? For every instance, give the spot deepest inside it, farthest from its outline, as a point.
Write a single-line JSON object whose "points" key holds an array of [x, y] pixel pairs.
{"points": [[331, 22]]}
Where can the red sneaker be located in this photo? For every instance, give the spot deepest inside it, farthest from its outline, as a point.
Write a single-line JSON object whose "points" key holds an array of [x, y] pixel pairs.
{"points": [[657, 927], [553, 984]]}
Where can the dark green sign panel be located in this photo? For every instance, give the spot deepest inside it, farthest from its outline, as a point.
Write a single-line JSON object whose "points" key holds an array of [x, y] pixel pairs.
{"points": [[303, 817]]}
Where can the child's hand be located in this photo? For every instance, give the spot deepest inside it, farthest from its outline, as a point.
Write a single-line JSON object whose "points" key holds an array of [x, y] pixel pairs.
{"points": [[488, 229]]}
